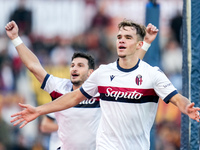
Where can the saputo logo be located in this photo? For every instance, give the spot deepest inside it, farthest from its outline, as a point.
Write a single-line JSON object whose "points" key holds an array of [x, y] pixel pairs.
{"points": [[89, 101], [120, 94]]}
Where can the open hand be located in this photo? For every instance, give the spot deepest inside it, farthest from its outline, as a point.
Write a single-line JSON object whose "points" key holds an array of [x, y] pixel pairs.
{"points": [[25, 116], [193, 112]]}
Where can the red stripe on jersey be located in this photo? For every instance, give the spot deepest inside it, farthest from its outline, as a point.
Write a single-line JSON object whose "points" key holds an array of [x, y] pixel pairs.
{"points": [[110, 89]]}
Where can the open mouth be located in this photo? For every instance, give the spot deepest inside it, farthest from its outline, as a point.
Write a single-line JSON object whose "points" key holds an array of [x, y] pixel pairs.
{"points": [[75, 75], [122, 47]]}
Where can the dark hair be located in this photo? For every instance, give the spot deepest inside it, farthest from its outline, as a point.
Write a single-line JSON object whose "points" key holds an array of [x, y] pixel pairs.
{"points": [[140, 29], [91, 62]]}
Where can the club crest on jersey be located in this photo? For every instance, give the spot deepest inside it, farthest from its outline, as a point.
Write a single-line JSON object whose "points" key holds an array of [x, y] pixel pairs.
{"points": [[138, 79]]}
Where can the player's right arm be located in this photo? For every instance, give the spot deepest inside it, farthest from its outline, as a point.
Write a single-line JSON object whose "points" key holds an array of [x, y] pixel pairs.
{"points": [[28, 58]]}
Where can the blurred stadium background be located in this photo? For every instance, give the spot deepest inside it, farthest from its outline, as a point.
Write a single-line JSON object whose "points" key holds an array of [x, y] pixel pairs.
{"points": [[54, 29]]}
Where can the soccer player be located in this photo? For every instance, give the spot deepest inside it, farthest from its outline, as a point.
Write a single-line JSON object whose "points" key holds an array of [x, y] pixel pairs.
{"points": [[77, 125]]}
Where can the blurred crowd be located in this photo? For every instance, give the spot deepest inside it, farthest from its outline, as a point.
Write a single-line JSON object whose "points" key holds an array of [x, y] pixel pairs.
{"points": [[98, 38]]}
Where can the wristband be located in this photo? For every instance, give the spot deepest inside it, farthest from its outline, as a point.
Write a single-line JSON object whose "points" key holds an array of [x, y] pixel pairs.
{"points": [[145, 46], [17, 41]]}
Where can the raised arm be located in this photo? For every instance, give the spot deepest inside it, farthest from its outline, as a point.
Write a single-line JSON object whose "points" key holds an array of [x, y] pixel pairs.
{"points": [[30, 113], [151, 33], [185, 106], [28, 58]]}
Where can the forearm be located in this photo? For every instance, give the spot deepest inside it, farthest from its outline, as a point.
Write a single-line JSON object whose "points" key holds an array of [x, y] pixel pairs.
{"points": [[28, 58], [49, 128], [31, 62], [181, 102], [141, 53], [64, 102], [48, 125]]}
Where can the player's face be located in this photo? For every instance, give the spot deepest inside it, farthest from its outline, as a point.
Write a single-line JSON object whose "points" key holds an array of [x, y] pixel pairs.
{"points": [[79, 71], [126, 42]]}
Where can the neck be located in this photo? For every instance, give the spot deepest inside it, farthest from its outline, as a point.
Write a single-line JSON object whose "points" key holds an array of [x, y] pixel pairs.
{"points": [[76, 87], [127, 63]]}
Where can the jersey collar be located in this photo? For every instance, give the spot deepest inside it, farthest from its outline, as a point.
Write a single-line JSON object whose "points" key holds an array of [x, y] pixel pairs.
{"points": [[127, 70]]}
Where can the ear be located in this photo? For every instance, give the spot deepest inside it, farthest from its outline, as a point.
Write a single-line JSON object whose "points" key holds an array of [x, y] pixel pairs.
{"points": [[139, 45], [90, 72]]}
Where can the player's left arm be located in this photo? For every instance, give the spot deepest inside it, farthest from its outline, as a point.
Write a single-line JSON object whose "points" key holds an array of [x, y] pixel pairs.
{"points": [[151, 33], [185, 106], [30, 113]]}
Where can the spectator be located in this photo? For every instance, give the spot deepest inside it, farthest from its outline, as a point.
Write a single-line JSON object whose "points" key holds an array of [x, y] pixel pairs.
{"points": [[61, 54], [172, 63], [176, 27], [23, 17]]}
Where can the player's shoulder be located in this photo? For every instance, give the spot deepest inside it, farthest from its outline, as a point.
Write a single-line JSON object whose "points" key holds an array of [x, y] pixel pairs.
{"points": [[107, 66], [151, 69], [59, 81], [146, 65], [52, 77]]}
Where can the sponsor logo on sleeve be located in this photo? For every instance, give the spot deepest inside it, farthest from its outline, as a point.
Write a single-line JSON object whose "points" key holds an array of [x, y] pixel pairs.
{"points": [[169, 84]]}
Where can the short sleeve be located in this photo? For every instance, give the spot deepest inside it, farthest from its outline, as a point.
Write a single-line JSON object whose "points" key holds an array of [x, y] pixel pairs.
{"points": [[90, 86], [162, 85]]}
